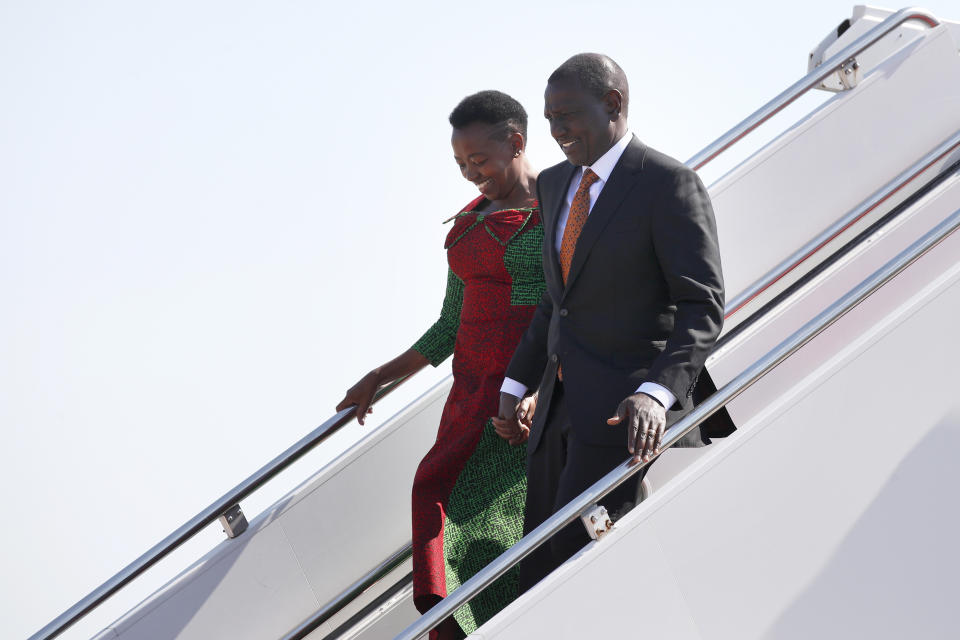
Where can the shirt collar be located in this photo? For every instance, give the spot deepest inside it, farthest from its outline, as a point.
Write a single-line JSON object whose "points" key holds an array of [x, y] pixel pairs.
{"points": [[604, 165]]}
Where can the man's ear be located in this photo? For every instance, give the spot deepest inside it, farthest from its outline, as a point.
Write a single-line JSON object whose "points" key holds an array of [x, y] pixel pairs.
{"points": [[614, 104]]}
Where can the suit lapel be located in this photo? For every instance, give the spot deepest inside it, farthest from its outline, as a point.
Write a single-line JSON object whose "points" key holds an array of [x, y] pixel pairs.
{"points": [[621, 181], [553, 216]]}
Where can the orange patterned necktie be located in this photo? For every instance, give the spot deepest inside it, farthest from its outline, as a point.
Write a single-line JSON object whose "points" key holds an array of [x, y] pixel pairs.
{"points": [[579, 209]]}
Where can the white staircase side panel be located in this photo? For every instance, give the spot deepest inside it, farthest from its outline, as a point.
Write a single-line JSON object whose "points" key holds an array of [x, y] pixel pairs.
{"points": [[792, 314], [828, 514], [830, 162], [304, 551], [748, 347]]}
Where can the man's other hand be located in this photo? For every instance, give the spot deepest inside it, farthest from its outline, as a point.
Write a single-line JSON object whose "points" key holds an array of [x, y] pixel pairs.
{"points": [[508, 424], [646, 420]]}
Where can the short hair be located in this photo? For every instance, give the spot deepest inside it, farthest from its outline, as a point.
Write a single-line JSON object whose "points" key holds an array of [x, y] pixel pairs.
{"points": [[491, 107], [596, 73]]}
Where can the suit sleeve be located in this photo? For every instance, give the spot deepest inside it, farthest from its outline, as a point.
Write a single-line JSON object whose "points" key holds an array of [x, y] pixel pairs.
{"points": [[530, 357], [685, 241]]}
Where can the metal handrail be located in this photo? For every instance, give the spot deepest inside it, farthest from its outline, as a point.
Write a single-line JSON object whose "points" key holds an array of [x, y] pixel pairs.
{"points": [[807, 82], [751, 123], [756, 119], [202, 519], [866, 236], [328, 610], [840, 225], [296, 451], [349, 594], [734, 305], [620, 474], [887, 191]]}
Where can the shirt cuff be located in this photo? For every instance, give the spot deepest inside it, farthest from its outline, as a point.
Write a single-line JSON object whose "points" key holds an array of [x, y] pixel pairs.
{"points": [[513, 387], [659, 393]]}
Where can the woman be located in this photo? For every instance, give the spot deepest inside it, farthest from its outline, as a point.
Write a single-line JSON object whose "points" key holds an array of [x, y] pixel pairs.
{"points": [[469, 489]]}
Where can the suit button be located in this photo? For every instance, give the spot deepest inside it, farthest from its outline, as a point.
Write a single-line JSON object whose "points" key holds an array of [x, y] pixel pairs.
{"points": [[564, 313], [554, 358]]}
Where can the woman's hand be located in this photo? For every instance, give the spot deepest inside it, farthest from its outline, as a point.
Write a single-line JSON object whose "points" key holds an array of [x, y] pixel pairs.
{"points": [[361, 395]]}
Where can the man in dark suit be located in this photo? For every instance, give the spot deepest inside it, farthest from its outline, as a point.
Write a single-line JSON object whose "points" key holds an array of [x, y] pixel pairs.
{"points": [[634, 304]]}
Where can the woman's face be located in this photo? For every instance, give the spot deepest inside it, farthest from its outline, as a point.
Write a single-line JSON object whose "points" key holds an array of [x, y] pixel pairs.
{"points": [[486, 160]]}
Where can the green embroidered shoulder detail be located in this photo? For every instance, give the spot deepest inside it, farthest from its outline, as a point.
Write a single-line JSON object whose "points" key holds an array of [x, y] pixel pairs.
{"points": [[436, 345], [523, 260]]}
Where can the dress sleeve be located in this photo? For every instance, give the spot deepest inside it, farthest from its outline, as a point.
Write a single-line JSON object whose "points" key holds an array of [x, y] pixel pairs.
{"points": [[436, 344]]}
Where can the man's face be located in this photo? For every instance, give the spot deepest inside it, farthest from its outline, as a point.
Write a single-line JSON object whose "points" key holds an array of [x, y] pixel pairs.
{"points": [[582, 124]]}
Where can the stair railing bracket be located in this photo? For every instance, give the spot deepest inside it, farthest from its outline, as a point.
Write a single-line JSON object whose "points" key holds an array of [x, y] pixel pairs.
{"points": [[233, 521]]}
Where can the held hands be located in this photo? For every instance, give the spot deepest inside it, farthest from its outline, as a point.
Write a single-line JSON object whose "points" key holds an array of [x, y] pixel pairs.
{"points": [[646, 419], [515, 417], [361, 394]]}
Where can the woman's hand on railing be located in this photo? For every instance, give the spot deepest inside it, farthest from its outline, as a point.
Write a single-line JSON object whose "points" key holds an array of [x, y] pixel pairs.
{"points": [[363, 394]]}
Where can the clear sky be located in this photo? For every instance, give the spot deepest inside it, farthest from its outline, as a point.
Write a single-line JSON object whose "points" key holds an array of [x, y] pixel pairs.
{"points": [[215, 216]]}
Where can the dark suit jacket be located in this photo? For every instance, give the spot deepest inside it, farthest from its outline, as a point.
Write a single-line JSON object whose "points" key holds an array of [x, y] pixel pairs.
{"points": [[644, 300]]}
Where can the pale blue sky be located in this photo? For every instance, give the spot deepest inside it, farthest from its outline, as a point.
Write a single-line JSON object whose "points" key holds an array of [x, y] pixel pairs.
{"points": [[215, 216]]}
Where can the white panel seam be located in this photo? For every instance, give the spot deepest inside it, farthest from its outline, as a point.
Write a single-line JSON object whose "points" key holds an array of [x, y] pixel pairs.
{"points": [[303, 573], [676, 580]]}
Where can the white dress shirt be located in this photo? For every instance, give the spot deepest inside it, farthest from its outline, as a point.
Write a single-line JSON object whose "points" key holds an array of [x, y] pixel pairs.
{"points": [[603, 167]]}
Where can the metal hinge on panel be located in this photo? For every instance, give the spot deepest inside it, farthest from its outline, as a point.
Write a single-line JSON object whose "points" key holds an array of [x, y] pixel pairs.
{"points": [[596, 520], [233, 521]]}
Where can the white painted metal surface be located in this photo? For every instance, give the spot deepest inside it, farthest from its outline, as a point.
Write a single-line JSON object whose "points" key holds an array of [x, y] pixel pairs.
{"points": [[829, 514], [863, 19], [304, 550], [830, 161], [830, 285]]}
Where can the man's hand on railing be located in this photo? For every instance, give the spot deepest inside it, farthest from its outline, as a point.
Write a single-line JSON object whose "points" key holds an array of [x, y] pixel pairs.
{"points": [[646, 421]]}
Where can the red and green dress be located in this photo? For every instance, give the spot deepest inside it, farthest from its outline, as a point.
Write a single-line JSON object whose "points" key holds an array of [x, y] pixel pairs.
{"points": [[469, 490]]}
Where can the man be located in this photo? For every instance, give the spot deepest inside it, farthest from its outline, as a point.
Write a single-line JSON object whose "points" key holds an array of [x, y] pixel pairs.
{"points": [[634, 304]]}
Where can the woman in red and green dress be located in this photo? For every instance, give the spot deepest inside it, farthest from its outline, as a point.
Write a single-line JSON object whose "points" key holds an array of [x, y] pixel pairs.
{"points": [[469, 489]]}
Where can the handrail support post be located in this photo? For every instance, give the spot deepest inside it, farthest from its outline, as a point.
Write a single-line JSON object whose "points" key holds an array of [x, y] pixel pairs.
{"points": [[233, 521], [850, 74], [596, 520]]}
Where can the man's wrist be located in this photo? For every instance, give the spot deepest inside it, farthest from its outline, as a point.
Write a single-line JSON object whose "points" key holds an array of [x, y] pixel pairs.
{"points": [[514, 388], [659, 393], [654, 398]]}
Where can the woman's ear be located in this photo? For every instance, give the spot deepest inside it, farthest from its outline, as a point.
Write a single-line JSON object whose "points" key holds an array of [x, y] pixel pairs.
{"points": [[516, 142]]}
